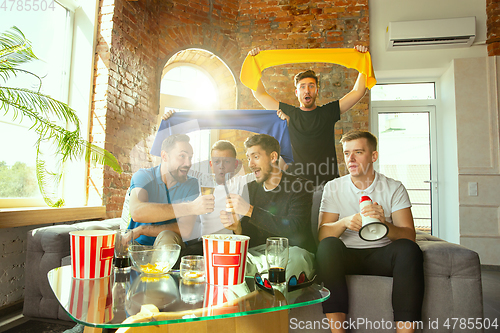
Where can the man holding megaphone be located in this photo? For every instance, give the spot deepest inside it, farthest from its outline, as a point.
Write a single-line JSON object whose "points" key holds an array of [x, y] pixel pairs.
{"points": [[378, 239]]}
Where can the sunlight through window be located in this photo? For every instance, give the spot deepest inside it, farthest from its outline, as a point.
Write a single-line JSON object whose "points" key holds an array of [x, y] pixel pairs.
{"points": [[189, 88]]}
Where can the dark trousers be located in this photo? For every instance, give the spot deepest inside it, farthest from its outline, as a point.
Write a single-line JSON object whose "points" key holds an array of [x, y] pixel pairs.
{"points": [[402, 259], [194, 248]]}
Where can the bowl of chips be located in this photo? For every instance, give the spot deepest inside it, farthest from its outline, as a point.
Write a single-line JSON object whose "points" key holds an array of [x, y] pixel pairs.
{"points": [[154, 260]]}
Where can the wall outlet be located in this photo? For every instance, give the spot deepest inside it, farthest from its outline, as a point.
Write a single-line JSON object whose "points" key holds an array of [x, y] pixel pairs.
{"points": [[472, 189]]}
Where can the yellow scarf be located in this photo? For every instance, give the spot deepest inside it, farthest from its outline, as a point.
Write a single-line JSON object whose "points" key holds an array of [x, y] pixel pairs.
{"points": [[252, 68]]}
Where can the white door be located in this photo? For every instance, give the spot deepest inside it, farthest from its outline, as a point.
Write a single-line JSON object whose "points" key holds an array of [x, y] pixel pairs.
{"points": [[407, 152]]}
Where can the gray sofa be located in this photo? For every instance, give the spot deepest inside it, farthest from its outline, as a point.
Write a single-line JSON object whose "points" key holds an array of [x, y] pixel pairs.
{"points": [[452, 282], [46, 249]]}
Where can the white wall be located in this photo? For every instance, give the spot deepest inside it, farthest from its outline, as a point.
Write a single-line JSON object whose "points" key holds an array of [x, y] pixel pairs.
{"points": [[478, 140], [390, 65], [448, 217], [467, 116]]}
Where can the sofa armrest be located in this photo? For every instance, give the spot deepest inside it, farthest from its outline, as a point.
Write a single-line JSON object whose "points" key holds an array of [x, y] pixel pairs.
{"points": [[452, 275], [46, 247], [447, 259]]}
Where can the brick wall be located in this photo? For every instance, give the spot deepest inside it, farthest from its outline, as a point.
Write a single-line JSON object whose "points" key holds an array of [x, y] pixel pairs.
{"points": [[493, 27], [307, 24], [137, 38], [126, 95]]}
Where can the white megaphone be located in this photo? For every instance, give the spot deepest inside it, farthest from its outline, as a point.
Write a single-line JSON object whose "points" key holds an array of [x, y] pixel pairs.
{"points": [[372, 228]]}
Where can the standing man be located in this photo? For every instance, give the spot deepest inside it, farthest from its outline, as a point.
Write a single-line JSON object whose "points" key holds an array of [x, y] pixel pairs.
{"points": [[342, 252], [280, 205], [311, 127], [164, 200]]}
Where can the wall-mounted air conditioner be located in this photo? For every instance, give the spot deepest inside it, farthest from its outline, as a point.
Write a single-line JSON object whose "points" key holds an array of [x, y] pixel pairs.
{"points": [[426, 34]]}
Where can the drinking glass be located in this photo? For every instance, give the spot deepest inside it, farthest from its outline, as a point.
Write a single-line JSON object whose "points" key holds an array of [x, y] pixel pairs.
{"points": [[123, 238], [277, 258], [207, 185], [192, 268]]}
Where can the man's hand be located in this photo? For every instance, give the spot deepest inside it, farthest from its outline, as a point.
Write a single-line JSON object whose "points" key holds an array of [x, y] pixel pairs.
{"points": [[167, 114], [136, 232], [353, 222], [230, 222], [203, 204], [129, 237], [253, 52], [238, 205], [361, 48], [283, 116], [375, 210]]}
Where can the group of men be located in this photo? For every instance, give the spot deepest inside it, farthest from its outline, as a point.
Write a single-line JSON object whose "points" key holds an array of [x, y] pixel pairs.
{"points": [[165, 202]]}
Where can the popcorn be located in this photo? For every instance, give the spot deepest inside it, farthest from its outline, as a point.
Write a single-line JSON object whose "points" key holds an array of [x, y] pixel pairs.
{"points": [[226, 237]]}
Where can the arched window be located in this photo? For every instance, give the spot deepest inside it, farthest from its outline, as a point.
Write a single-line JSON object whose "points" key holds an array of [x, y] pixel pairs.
{"points": [[185, 87], [189, 87]]}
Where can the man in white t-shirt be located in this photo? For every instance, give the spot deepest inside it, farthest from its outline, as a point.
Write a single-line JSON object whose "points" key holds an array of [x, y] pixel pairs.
{"points": [[343, 252], [225, 167]]}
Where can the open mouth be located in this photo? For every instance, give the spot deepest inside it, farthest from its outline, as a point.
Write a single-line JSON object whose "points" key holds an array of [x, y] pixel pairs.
{"points": [[307, 99], [256, 173]]}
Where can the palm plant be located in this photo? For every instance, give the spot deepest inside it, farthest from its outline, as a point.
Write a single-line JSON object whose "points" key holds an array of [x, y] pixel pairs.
{"points": [[45, 113]]}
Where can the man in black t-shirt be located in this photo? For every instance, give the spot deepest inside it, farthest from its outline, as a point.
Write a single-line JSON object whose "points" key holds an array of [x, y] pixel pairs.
{"points": [[311, 127], [280, 205]]}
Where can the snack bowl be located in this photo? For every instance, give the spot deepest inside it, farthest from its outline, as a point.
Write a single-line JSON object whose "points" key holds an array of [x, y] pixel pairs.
{"points": [[154, 260]]}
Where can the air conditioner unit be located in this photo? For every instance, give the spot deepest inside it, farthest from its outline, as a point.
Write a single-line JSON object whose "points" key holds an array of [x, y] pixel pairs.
{"points": [[427, 34]]}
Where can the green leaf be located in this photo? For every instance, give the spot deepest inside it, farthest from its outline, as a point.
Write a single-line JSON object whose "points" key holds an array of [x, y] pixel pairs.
{"points": [[54, 122]]}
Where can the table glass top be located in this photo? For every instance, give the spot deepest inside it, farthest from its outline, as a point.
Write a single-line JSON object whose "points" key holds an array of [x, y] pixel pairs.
{"points": [[116, 301]]}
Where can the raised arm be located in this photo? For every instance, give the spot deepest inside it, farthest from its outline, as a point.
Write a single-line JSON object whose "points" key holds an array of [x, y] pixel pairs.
{"points": [[359, 89], [268, 102]]}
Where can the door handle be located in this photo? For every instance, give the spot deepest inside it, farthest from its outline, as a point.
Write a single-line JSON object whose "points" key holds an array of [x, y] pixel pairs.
{"points": [[432, 182]]}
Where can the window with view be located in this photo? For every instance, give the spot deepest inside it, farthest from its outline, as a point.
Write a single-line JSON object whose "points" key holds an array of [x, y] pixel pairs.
{"points": [[52, 46], [59, 34]]}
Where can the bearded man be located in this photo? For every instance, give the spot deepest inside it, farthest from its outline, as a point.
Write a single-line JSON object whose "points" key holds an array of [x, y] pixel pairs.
{"points": [[164, 200]]}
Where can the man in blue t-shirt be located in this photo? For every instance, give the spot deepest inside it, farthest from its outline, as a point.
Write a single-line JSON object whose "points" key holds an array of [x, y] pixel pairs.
{"points": [[311, 127], [164, 200]]}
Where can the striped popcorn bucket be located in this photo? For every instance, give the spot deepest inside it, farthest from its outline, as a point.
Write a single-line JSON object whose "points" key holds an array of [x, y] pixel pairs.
{"points": [[225, 258], [91, 300], [92, 253]]}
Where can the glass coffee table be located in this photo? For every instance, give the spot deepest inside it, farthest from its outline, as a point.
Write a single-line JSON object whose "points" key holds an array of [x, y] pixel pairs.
{"points": [[145, 302]]}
